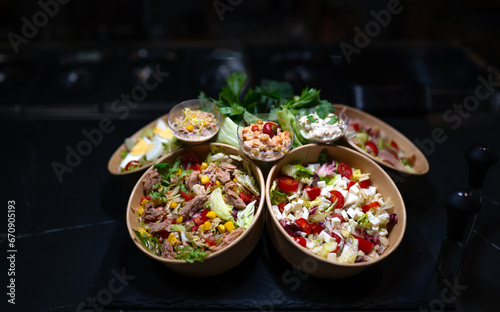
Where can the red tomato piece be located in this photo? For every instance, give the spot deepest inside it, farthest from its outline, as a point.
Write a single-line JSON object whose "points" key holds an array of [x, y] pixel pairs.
{"points": [[313, 192], [369, 206], [372, 148], [198, 221], [364, 245], [245, 197], [338, 239], [281, 206], [288, 184], [268, 129], [132, 165], [394, 145], [316, 228], [304, 225], [355, 127], [301, 241], [255, 128], [344, 170], [211, 241], [364, 184], [195, 167], [337, 196], [338, 215], [186, 196]]}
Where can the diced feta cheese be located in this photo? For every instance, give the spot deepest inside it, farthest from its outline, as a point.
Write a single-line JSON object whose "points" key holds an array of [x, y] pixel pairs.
{"points": [[310, 244], [337, 210], [344, 193], [321, 184], [335, 222], [287, 208], [374, 221], [354, 189], [325, 193], [305, 213], [341, 183], [331, 257], [292, 197], [292, 218], [375, 228], [277, 213], [344, 215], [300, 201], [329, 188], [351, 212], [350, 199]]}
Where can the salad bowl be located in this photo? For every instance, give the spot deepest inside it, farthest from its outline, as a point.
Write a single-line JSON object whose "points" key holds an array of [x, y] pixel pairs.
{"points": [[216, 262], [399, 143], [288, 243], [119, 161]]}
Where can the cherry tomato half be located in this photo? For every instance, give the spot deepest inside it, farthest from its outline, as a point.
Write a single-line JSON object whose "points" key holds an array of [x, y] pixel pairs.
{"points": [[255, 128], [281, 207], [344, 170], [268, 129], [245, 197], [364, 245], [304, 225], [132, 165], [337, 196], [301, 241], [288, 184], [338, 215], [316, 228], [372, 148], [186, 196], [365, 184], [369, 206], [394, 145], [313, 192], [351, 183], [355, 127]]}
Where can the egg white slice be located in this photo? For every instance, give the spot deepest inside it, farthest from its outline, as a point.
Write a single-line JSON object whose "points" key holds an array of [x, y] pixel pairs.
{"points": [[155, 151], [161, 124]]}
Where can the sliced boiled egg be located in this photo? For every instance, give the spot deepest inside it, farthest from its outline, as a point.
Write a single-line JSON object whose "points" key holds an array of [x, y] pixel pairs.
{"points": [[128, 159], [156, 151], [141, 147], [162, 131]]}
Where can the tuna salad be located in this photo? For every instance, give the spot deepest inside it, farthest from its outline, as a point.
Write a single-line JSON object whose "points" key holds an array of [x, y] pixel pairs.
{"points": [[264, 140], [195, 125], [191, 209]]}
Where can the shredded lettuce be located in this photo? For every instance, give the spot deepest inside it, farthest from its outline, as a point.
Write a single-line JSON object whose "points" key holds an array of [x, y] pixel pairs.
{"points": [[276, 196], [245, 216], [247, 181], [178, 227], [298, 172], [219, 206], [350, 251]]}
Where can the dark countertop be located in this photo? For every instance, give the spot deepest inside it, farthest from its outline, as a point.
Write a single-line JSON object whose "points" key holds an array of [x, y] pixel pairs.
{"points": [[70, 230], [70, 234]]}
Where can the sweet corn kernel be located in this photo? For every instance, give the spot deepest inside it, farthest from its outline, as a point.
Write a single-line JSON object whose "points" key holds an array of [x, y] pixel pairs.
{"points": [[218, 183], [156, 202], [221, 228], [204, 179], [173, 204], [203, 166], [179, 219], [189, 128], [229, 226], [179, 171], [144, 202], [143, 231], [193, 115], [172, 239], [141, 210], [234, 180], [211, 215], [206, 226], [205, 123]]}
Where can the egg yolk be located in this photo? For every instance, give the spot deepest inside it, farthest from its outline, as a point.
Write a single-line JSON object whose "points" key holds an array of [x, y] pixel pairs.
{"points": [[141, 147], [165, 133]]}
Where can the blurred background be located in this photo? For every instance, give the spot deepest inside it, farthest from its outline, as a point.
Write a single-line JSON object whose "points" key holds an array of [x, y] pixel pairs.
{"points": [[74, 58]]}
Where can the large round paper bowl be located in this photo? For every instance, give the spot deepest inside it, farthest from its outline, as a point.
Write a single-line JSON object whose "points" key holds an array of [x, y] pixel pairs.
{"points": [[217, 262], [299, 256]]}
